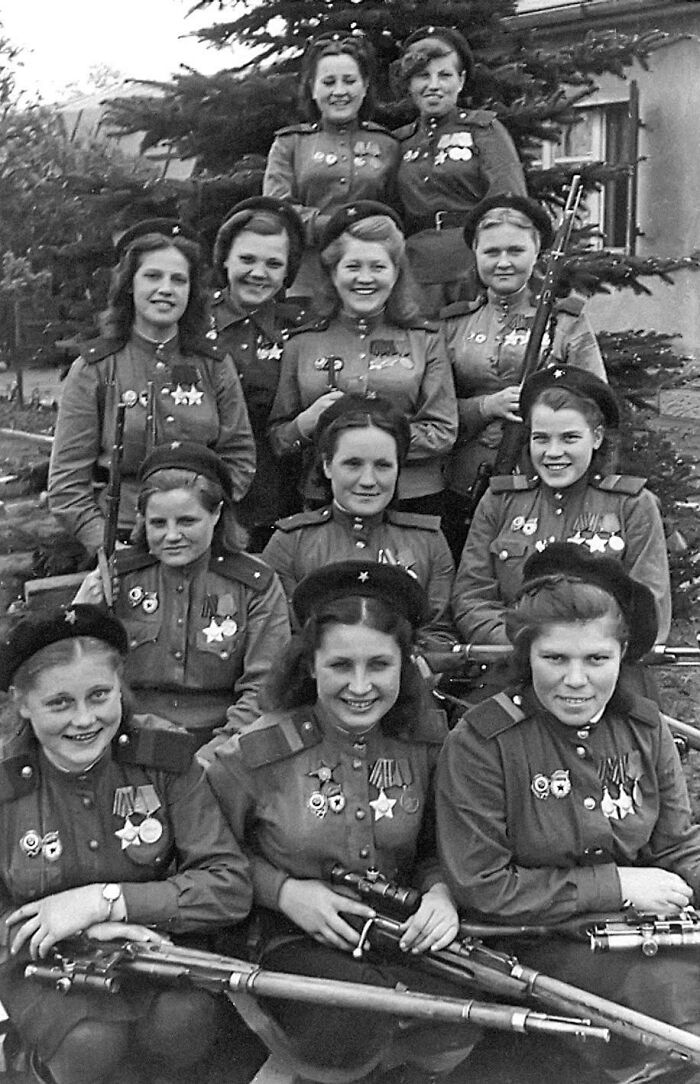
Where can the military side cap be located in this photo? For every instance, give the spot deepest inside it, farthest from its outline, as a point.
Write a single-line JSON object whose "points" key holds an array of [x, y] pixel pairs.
{"points": [[451, 37], [566, 560], [352, 579], [574, 380], [33, 632], [526, 206], [166, 227], [187, 455], [346, 217], [240, 215]]}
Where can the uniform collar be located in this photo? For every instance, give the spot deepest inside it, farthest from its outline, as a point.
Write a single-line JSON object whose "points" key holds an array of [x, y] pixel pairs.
{"points": [[568, 493], [361, 325], [517, 302], [619, 703], [358, 526], [330, 730], [161, 351], [173, 576], [338, 129], [436, 124], [227, 315]]}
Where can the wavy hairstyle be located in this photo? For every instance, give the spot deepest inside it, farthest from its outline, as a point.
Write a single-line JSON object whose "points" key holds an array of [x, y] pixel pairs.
{"points": [[604, 458], [229, 536], [355, 46], [436, 42], [508, 216], [117, 319], [402, 307], [357, 412], [291, 684]]}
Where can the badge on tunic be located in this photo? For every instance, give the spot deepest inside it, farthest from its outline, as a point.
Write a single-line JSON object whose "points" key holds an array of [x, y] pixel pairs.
{"points": [[214, 632], [137, 806], [539, 785], [318, 156], [179, 395], [130, 398], [318, 804], [30, 843], [135, 595], [596, 544], [383, 806], [51, 847], [269, 351], [560, 783], [149, 603], [530, 526], [194, 396], [480, 338], [517, 523], [331, 159]]}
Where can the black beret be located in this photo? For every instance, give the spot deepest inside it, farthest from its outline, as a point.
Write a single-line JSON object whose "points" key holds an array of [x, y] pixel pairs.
{"points": [[526, 206], [166, 227], [366, 579], [187, 455], [392, 420], [238, 218], [347, 216], [574, 380], [635, 599], [35, 631], [451, 37]]}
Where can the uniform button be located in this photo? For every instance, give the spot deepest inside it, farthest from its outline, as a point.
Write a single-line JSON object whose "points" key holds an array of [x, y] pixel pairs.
{"points": [[357, 763], [589, 803], [178, 655], [170, 418], [88, 802], [357, 525], [180, 588], [584, 732], [94, 845], [343, 180], [27, 771], [360, 545], [581, 750], [559, 511], [223, 654], [364, 852], [359, 746], [503, 555], [180, 621], [360, 814], [161, 365], [307, 726]]}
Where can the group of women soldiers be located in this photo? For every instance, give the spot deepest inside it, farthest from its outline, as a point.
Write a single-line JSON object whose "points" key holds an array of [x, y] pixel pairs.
{"points": [[294, 668]]}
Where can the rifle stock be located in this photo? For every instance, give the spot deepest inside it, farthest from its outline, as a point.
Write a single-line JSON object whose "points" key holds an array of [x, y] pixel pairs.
{"points": [[109, 537]]}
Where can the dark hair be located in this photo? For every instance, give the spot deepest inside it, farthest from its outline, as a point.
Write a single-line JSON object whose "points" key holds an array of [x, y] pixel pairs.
{"points": [[357, 48], [402, 307], [291, 684], [554, 600], [62, 653], [357, 412], [117, 319], [434, 43], [603, 458], [228, 535], [266, 224]]}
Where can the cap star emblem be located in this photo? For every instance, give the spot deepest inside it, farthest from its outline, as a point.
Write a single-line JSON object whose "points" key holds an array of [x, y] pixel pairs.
{"points": [[351, 212], [194, 397], [71, 617], [363, 577], [558, 373]]}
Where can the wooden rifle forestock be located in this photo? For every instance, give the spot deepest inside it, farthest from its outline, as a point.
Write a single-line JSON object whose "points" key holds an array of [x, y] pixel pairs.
{"points": [[109, 538]]}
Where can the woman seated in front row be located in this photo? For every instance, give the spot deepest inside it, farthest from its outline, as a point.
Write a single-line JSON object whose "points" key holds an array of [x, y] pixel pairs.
{"points": [[105, 818], [566, 795], [341, 772], [361, 445], [206, 621]]}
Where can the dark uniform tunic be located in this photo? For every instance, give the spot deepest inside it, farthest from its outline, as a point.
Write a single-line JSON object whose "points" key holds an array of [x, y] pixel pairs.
{"points": [[255, 340], [486, 341], [534, 817], [613, 515], [202, 638], [371, 357], [309, 541], [197, 397], [447, 165], [61, 830]]}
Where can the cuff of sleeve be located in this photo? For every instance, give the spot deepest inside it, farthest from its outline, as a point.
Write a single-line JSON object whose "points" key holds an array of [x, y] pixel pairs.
{"points": [[598, 888], [267, 883], [153, 903]]}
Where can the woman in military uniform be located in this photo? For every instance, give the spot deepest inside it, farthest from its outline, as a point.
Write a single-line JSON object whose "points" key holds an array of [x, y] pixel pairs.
{"points": [[206, 621], [370, 339], [565, 795], [339, 154], [257, 253], [486, 339], [107, 822], [567, 496], [361, 446], [154, 333], [450, 159], [340, 772]]}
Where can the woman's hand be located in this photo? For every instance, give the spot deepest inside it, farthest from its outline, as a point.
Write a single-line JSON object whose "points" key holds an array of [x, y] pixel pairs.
{"points": [[308, 419], [502, 404], [434, 925], [90, 591], [125, 931], [316, 908], [42, 923], [649, 888]]}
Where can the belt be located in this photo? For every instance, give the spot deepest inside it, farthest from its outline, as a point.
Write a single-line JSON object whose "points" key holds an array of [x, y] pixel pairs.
{"points": [[440, 220]]}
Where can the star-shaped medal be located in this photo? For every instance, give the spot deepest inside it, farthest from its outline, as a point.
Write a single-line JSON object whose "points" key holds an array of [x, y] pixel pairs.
{"points": [[71, 617], [194, 397], [213, 632], [596, 544], [383, 806], [129, 835], [274, 352], [180, 396]]}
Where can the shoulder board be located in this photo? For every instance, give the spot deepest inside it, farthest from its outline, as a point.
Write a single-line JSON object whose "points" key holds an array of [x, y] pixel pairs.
{"points": [[278, 735], [209, 348], [431, 729], [291, 311], [463, 308], [414, 519], [482, 118], [513, 483], [153, 742], [99, 349], [303, 519], [628, 484], [19, 771], [244, 568], [132, 560], [303, 128], [420, 323], [372, 126], [406, 131], [312, 325], [572, 305], [495, 715], [644, 710]]}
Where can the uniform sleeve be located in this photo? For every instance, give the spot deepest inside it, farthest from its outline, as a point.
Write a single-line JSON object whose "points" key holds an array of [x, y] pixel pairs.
{"points": [[439, 633], [646, 558], [478, 610], [675, 842], [474, 848], [500, 161], [434, 423], [279, 554], [235, 443], [280, 181], [285, 437], [469, 412], [211, 885], [75, 451], [427, 871], [575, 343]]}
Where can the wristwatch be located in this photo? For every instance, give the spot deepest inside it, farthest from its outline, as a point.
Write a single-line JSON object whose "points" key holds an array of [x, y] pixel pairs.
{"points": [[111, 893]]}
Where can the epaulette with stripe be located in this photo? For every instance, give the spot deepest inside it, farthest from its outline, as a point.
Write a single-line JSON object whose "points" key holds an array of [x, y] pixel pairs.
{"points": [[372, 126], [420, 323], [313, 325], [132, 559], [278, 735], [494, 716], [432, 729], [573, 305], [19, 765], [482, 118], [463, 308], [303, 519], [513, 483], [99, 349], [302, 128], [418, 520], [152, 742], [406, 131], [242, 567], [628, 484]]}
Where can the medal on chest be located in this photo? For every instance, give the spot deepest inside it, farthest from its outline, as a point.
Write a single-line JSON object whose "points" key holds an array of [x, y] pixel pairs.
{"points": [[556, 785], [454, 147], [620, 779], [385, 354], [386, 773], [146, 600], [136, 805], [329, 793], [401, 559], [34, 845]]}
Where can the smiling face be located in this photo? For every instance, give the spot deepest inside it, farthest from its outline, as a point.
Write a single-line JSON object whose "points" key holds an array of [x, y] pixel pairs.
{"points": [[505, 257], [364, 277], [435, 89], [562, 444], [575, 667], [363, 470], [179, 529], [161, 290], [255, 267], [338, 88], [358, 676], [74, 710]]}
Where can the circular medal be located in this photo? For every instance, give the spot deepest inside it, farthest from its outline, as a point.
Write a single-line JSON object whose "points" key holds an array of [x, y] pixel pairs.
{"points": [[615, 543], [30, 843], [408, 802], [318, 803], [135, 596], [336, 803], [150, 603], [150, 830], [480, 338], [331, 159], [130, 398]]}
